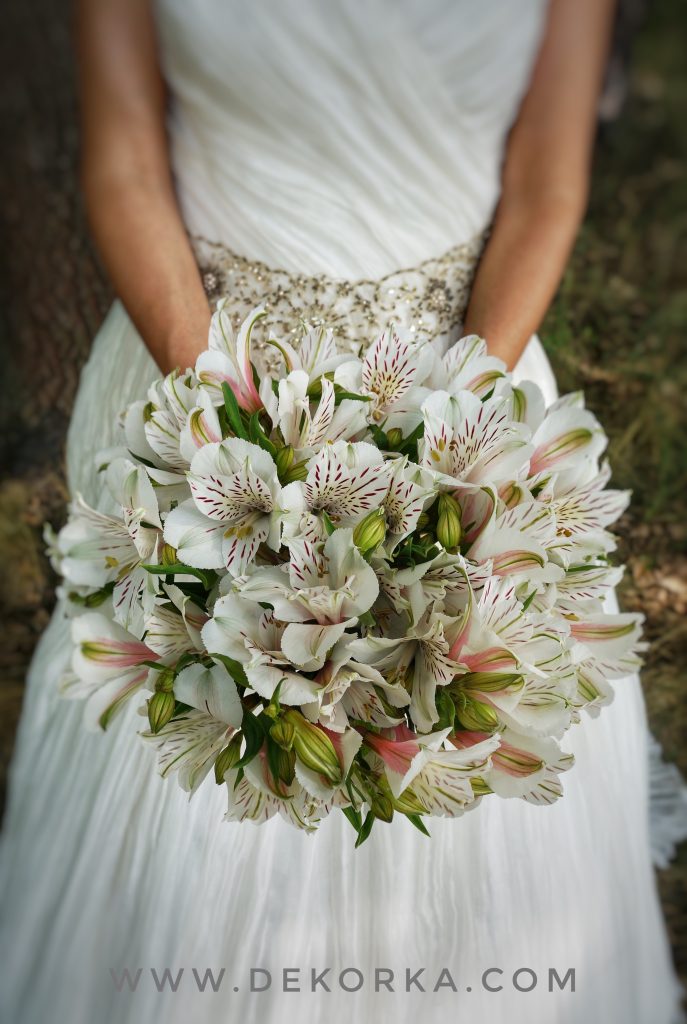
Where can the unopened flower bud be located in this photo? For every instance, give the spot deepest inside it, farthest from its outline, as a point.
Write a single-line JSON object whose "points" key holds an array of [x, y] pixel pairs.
{"points": [[296, 471], [422, 520], [448, 523], [160, 709], [283, 763], [227, 758], [314, 748], [164, 680], [381, 805], [476, 716], [370, 531], [394, 437], [283, 734], [479, 786], [284, 460], [168, 555]]}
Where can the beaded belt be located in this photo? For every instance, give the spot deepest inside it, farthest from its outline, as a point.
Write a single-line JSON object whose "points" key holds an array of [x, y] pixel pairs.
{"points": [[429, 299]]}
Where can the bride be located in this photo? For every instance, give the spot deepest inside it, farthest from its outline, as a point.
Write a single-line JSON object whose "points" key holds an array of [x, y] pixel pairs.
{"points": [[342, 158]]}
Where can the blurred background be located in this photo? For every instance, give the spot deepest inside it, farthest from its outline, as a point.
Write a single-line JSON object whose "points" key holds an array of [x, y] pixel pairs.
{"points": [[616, 329]]}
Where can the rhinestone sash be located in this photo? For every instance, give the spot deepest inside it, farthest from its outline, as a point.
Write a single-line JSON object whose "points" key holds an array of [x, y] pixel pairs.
{"points": [[429, 299]]}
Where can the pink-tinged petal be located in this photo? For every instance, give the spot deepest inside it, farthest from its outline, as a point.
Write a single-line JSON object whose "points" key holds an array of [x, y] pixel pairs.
{"points": [[243, 345], [494, 659], [515, 761], [397, 755], [484, 382], [464, 739], [508, 563]]}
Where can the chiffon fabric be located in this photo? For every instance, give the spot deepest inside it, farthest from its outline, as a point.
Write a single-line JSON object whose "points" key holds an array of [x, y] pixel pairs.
{"points": [[349, 139]]}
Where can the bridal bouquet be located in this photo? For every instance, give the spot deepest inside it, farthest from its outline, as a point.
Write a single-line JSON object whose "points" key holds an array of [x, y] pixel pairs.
{"points": [[372, 583]]}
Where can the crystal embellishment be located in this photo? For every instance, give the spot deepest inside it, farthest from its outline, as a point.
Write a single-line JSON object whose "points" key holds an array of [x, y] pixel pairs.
{"points": [[429, 300]]}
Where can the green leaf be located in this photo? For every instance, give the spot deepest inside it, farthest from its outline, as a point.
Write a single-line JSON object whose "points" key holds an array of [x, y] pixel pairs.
{"points": [[365, 828], [234, 668], [328, 524], [208, 577], [258, 435], [419, 824], [233, 412], [254, 735], [354, 817]]}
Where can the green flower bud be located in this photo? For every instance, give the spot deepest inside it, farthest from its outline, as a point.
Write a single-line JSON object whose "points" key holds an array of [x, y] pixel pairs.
{"points": [[422, 521], [370, 531], [227, 758], [477, 716], [164, 680], [283, 764], [284, 460], [448, 523], [406, 803], [314, 748], [479, 786], [160, 709], [169, 555], [381, 805], [297, 471], [394, 437], [283, 734]]}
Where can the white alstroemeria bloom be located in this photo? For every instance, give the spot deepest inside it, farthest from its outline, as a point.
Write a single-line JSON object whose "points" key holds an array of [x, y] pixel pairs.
{"points": [[330, 588], [391, 373], [189, 745], [202, 427], [467, 367], [253, 637], [228, 359], [567, 435], [517, 542], [95, 549], [443, 582], [210, 689], [346, 481], [525, 767], [347, 688], [316, 355], [585, 586], [305, 425], [152, 428], [258, 796], [470, 441], [173, 626], [408, 494], [583, 510], [235, 507], [608, 645], [106, 667], [421, 766], [419, 658]]}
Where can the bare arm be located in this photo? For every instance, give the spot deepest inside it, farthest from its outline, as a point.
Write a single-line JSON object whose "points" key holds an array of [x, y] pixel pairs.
{"points": [[545, 179], [127, 180]]}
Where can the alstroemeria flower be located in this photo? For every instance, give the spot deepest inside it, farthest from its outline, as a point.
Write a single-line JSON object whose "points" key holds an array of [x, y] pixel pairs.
{"points": [[234, 507], [304, 424], [391, 372], [257, 796], [346, 481], [328, 588], [107, 667], [466, 366], [467, 440], [228, 359], [567, 432], [189, 745], [419, 658], [520, 766]]}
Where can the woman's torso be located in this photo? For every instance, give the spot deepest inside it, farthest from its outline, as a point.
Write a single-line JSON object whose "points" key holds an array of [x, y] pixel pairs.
{"points": [[344, 137]]}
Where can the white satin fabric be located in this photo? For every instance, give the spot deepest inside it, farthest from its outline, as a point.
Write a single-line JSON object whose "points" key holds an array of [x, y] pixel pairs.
{"points": [[349, 138]]}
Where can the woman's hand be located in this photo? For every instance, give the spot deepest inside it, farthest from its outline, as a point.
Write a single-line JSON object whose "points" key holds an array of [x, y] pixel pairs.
{"points": [[545, 179], [127, 180]]}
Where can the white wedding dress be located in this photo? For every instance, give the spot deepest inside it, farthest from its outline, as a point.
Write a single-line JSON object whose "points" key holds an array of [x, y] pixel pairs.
{"points": [[329, 143]]}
